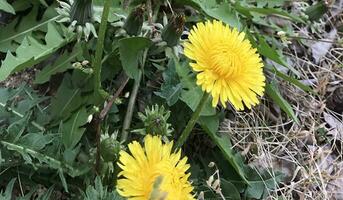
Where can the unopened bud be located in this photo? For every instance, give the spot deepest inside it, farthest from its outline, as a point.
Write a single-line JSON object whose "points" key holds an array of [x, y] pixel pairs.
{"points": [[173, 30], [109, 149], [134, 22], [81, 12]]}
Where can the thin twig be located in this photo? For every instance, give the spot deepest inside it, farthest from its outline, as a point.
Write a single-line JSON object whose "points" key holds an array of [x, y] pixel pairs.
{"points": [[102, 116], [108, 106], [314, 39], [98, 135], [130, 107], [132, 100]]}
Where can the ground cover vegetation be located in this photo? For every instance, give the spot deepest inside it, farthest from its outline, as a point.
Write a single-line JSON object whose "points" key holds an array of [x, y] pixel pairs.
{"points": [[171, 99]]}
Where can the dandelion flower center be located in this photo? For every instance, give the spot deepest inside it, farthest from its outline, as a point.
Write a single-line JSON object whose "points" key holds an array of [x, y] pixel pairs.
{"points": [[227, 65], [226, 62], [153, 172]]}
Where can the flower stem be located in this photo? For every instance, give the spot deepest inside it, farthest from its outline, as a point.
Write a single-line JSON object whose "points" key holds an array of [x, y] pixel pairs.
{"points": [[132, 100], [97, 64], [100, 46], [130, 107], [186, 132]]}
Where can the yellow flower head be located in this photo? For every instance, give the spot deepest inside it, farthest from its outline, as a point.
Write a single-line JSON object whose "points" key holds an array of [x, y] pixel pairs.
{"points": [[227, 65], [153, 172]]}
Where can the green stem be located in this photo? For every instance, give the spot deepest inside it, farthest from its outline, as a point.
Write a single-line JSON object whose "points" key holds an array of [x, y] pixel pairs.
{"points": [[100, 45], [186, 132], [130, 107]]}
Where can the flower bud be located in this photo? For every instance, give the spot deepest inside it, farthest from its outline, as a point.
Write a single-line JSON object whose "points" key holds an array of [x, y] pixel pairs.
{"points": [[81, 12], [173, 30], [109, 149], [155, 121], [134, 22]]}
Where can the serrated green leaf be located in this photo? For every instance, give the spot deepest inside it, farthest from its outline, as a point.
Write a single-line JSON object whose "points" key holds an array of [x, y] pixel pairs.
{"points": [[66, 100], [260, 182], [170, 93], [130, 50], [13, 34], [222, 12], [171, 88], [36, 141], [53, 163], [72, 130], [266, 50], [31, 52], [100, 192], [273, 92], [6, 7], [63, 63]]}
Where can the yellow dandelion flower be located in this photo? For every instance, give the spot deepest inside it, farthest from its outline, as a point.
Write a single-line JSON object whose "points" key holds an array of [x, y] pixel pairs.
{"points": [[153, 172], [227, 65]]}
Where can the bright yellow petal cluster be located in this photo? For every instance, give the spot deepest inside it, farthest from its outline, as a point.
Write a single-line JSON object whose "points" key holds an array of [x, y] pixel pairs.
{"points": [[227, 65], [153, 172]]}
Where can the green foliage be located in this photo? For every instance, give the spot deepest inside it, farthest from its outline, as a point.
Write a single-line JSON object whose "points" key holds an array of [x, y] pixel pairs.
{"points": [[224, 143], [260, 182], [72, 131], [191, 94], [221, 11], [316, 11], [6, 7], [68, 99], [12, 35], [100, 192], [273, 92], [31, 51], [7, 194], [88, 87], [130, 50], [62, 64]]}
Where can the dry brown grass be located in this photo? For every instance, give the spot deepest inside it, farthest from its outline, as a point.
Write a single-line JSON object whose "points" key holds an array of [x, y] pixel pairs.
{"points": [[309, 153]]}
